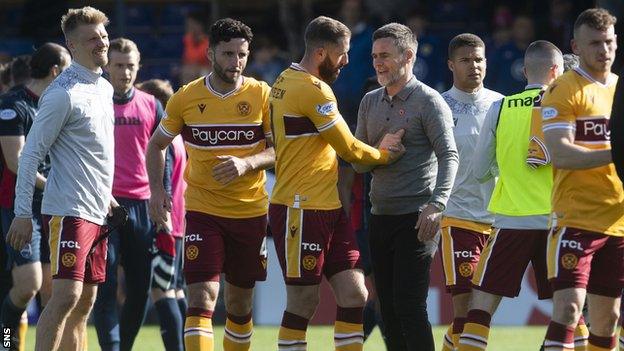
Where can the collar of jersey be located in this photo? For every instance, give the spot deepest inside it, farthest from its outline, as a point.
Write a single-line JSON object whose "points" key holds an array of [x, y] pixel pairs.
{"points": [[85, 72], [298, 67], [218, 94], [584, 74]]}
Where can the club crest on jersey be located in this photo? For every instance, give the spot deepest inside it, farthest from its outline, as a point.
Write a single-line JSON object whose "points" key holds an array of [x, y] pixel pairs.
{"points": [[68, 259], [201, 107], [244, 108], [569, 261], [293, 231], [326, 109], [309, 262], [7, 114], [192, 252], [466, 269]]}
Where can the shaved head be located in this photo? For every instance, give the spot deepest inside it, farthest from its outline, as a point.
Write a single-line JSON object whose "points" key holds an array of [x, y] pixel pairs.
{"points": [[540, 57]]}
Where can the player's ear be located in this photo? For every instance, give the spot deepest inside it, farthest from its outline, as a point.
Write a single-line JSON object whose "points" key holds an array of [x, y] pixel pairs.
{"points": [[410, 55], [320, 53], [574, 46]]}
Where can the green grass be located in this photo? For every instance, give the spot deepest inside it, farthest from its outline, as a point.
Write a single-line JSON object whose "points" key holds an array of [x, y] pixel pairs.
{"points": [[320, 339]]}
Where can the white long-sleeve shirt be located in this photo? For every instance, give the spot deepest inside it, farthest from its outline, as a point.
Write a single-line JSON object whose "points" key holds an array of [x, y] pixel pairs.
{"points": [[469, 198], [75, 124]]}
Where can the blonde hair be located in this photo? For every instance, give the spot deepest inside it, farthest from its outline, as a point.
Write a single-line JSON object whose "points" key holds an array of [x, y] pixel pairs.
{"points": [[86, 15], [123, 45]]}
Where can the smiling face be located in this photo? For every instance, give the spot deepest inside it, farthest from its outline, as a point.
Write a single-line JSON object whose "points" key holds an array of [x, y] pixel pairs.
{"points": [[595, 48], [391, 65], [88, 44], [468, 65], [229, 59]]}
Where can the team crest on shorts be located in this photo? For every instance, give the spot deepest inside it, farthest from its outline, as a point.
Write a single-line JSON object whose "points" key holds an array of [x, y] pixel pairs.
{"points": [[309, 262], [68, 259], [244, 108], [192, 252], [569, 261], [466, 269]]}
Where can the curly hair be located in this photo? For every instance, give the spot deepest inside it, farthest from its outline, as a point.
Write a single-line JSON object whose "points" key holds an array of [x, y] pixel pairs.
{"points": [[227, 29]]}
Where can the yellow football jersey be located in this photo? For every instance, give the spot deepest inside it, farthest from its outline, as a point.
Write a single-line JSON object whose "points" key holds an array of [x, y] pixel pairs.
{"points": [[308, 131], [214, 124], [590, 199]]}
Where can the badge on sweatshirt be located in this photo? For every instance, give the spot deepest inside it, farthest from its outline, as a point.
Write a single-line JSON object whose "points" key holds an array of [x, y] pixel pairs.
{"points": [[7, 114]]}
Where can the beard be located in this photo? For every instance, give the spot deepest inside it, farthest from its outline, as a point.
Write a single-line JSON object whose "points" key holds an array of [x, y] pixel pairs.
{"points": [[100, 60], [327, 71], [391, 77], [220, 72]]}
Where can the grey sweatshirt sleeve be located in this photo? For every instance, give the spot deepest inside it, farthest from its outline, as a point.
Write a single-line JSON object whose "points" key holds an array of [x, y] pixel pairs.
{"points": [[52, 115], [362, 134], [484, 159], [438, 126]]}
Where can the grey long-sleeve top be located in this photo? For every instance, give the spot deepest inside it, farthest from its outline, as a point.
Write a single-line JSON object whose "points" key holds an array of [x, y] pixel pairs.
{"points": [[75, 123], [426, 171]]}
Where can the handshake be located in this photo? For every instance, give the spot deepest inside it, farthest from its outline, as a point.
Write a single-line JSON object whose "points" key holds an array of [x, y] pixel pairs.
{"points": [[392, 143]]}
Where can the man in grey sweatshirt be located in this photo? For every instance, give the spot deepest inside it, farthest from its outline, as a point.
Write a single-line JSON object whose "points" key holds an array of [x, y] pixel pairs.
{"points": [[75, 124], [408, 196]]}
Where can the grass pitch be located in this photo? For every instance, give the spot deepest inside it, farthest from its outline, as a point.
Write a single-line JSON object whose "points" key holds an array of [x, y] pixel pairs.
{"points": [[320, 338]]}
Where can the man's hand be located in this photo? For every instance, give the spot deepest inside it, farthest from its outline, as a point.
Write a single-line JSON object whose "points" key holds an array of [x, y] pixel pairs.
{"points": [[20, 233], [113, 203], [392, 141], [428, 223], [229, 169], [160, 207]]}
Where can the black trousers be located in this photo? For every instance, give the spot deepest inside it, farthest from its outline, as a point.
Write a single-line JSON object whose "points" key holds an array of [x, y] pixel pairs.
{"points": [[401, 267]]}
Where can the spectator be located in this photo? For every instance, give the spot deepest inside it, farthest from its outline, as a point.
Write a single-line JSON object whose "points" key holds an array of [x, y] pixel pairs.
{"points": [[5, 77], [350, 83], [195, 62], [506, 73], [20, 70], [557, 28], [429, 67], [267, 62]]}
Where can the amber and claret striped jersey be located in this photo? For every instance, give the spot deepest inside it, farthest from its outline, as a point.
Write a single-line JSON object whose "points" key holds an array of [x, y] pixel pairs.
{"points": [[214, 124], [308, 131], [589, 199]]}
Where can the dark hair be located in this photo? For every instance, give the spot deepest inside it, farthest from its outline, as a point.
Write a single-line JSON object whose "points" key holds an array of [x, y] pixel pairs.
{"points": [[540, 56], [5, 73], [596, 18], [227, 29], [48, 55], [324, 30], [20, 69], [462, 40], [403, 37], [161, 89]]}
